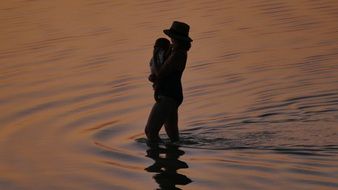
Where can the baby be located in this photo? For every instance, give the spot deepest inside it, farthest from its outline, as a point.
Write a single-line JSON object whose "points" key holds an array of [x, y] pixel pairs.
{"points": [[160, 52]]}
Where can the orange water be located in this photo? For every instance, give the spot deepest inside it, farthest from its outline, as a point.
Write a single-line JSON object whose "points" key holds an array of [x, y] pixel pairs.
{"points": [[260, 108]]}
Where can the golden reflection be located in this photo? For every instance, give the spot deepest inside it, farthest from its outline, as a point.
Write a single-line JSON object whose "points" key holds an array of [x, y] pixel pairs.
{"points": [[166, 165]]}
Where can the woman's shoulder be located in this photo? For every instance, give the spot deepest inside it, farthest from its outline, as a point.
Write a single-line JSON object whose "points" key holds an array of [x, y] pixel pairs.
{"points": [[178, 59], [179, 53]]}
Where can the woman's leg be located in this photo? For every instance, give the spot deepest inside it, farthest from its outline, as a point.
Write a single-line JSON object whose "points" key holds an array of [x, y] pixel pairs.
{"points": [[154, 123], [171, 124], [157, 117]]}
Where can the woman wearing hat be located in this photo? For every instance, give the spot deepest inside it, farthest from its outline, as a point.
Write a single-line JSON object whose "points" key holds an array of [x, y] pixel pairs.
{"points": [[169, 86]]}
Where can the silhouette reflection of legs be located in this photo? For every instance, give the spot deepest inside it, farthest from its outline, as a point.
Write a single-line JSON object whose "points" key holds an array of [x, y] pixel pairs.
{"points": [[166, 165]]}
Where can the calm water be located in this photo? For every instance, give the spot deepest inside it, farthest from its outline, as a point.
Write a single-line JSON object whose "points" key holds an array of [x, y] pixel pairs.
{"points": [[261, 95]]}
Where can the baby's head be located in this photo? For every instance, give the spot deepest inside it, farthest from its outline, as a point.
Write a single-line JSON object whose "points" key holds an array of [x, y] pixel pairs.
{"points": [[162, 44]]}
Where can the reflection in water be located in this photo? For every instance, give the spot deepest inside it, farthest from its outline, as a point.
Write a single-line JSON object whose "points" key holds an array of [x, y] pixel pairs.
{"points": [[166, 165]]}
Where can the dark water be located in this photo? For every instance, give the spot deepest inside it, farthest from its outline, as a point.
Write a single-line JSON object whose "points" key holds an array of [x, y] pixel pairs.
{"points": [[260, 108]]}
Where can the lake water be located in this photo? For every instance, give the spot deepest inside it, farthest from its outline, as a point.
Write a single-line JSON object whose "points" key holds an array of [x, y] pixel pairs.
{"points": [[260, 108]]}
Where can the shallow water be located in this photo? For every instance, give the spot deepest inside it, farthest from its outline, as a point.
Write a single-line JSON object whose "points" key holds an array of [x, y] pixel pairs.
{"points": [[260, 108]]}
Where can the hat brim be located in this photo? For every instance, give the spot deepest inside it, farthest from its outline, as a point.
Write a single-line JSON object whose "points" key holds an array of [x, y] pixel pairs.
{"points": [[169, 33]]}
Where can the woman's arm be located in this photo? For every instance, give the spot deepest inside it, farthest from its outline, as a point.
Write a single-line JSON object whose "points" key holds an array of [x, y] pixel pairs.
{"points": [[175, 62], [153, 72]]}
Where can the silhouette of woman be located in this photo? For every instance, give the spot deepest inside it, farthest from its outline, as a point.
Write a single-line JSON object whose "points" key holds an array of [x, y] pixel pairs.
{"points": [[169, 86]]}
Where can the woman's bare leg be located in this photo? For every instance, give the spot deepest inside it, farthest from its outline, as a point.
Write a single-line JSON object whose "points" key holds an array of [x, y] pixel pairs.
{"points": [[171, 124], [157, 117], [154, 123]]}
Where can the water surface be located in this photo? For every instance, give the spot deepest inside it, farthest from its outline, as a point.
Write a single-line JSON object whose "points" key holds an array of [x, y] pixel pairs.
{"points": [[260, 108]]}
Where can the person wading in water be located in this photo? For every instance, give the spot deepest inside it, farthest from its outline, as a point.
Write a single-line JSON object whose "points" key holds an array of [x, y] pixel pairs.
{"points": [[168, 88]]}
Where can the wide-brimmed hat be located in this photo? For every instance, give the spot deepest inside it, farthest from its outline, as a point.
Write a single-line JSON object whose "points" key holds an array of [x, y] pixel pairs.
{"points": [[179, 30]]}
